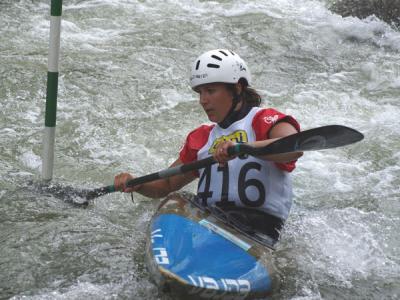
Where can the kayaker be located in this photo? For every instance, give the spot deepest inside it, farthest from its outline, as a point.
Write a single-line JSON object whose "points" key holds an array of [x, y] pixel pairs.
{"points": [[223, 82]]}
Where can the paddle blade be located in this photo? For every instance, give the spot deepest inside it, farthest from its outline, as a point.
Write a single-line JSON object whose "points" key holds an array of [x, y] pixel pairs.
{"points": [[71, 195], [320, 138], [68, 194]]}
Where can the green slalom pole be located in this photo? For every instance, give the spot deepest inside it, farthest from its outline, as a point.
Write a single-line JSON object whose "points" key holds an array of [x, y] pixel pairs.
{"points": [[52, 87]]}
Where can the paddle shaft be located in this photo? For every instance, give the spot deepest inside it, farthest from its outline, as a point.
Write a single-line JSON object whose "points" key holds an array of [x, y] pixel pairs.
{"points": [[199, 164], [320, 138]]}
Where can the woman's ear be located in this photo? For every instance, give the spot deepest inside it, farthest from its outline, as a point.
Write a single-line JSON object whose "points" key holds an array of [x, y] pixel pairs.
{"points": [[238, 88]]}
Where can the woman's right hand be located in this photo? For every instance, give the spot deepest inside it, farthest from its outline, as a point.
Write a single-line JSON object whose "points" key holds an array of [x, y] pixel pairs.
{"points": [[120, 181]]}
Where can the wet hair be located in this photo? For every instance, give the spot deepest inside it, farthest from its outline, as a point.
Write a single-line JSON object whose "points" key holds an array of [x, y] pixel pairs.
{"points": [[249, 96]]}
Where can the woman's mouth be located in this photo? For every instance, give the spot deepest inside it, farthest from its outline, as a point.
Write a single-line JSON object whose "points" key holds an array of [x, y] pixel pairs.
{"points": [[207, 110]]}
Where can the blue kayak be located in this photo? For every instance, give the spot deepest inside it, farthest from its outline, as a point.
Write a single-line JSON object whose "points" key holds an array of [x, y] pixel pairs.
{"points": [[192, 254]]}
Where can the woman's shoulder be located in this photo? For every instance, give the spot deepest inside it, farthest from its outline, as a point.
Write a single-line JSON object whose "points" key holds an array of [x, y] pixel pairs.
{"points": [[202, 130], [269, 112], [199, 136], [195, 140], [268, 116]]}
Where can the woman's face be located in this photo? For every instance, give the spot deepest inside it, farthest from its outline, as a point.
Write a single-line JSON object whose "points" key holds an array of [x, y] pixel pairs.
{"points": [[216, 100]]}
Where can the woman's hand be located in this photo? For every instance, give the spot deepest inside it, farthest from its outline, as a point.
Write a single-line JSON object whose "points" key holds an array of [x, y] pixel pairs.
{"points": [[120, 181], [221, 152]]}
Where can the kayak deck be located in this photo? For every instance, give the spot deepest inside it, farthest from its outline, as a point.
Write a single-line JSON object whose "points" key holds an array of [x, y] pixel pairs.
{"points": [[190, 253]]}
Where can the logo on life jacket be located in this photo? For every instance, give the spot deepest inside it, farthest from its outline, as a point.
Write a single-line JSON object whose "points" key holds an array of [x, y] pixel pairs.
{"points": [[271, 119], [239, 136]]}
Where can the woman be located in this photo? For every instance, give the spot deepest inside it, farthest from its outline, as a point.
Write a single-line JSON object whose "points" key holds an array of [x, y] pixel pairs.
{"points": [[222, 80]]}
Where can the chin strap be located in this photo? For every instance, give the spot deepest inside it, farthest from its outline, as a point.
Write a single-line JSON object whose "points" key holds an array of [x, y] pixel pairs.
{"points": [[234, 115]]}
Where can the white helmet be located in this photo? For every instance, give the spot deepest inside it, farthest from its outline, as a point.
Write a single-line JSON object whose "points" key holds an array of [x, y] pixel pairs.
{"points": [[219, 65]]}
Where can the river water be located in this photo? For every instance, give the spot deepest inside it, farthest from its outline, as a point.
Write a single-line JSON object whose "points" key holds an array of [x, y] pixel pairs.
{"points": [[125, 105]]}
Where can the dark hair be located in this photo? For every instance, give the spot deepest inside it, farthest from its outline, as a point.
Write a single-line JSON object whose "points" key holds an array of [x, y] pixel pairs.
{"points": [[249, 95]]}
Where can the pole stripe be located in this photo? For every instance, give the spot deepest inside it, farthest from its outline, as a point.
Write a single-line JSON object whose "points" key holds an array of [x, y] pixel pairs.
{"points": [[54, 44], [48, 152], [56, 7], [51, 99]]}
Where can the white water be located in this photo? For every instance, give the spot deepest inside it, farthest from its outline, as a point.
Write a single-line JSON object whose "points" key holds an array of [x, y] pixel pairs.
{"points": [[125, 104]]}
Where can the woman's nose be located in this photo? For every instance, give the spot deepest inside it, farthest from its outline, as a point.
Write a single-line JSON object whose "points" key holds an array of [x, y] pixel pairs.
{"points": [[202, 98]]}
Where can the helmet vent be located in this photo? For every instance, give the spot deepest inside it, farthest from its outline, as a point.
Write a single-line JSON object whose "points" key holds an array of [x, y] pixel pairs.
{"points": [[216, 57], [213, 66], [197, 64], [223, 52]]}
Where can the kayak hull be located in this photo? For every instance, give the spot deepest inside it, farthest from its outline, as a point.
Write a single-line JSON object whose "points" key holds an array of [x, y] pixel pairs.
{"points": [[190, 253]]}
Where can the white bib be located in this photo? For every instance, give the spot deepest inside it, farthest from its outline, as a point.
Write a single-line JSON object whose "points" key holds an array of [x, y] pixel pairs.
{"points": [[250, 182]]}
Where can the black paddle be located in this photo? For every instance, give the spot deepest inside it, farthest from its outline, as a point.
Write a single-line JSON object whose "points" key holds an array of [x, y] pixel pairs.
{"points": [[320, 138]]}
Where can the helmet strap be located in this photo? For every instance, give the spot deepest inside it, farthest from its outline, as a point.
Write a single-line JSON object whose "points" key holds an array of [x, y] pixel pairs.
{"points": [[234, 115]]}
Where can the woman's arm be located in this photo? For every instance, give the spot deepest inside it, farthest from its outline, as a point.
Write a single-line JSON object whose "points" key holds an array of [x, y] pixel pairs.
{"points": [[155, 189], [280, 130]]}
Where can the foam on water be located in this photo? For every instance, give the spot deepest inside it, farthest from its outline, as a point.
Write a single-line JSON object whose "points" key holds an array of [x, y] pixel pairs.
{"points": [[31, 160], [341, 249], [353, 248], [89, 291]]}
